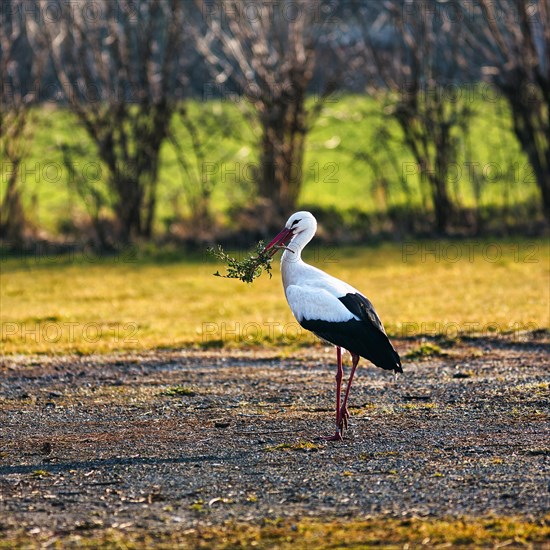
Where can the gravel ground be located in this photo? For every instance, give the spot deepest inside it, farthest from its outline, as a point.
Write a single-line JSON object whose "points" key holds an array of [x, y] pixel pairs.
{"points": [[167, 440]]}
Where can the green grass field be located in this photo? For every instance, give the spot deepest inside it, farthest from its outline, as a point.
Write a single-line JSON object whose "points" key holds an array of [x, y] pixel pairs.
{"points": [[85, 304], [491, 169]]}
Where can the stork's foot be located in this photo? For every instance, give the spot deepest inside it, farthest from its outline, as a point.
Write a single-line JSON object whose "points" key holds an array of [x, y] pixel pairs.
{"points": [[343, 422], [336, 437]]}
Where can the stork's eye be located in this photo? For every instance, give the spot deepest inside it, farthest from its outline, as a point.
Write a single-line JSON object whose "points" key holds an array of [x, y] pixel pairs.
{"points": [[295, 222]]}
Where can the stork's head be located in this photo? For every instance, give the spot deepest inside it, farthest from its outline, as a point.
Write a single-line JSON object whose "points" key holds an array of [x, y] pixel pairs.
{"points": [[299, 222]]}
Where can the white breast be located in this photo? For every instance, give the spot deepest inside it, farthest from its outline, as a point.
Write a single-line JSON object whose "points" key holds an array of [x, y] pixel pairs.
{"points": [[313, 294]]}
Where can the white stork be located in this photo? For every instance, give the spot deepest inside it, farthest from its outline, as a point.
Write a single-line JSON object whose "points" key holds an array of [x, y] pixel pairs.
{"points": [[331, 309]]}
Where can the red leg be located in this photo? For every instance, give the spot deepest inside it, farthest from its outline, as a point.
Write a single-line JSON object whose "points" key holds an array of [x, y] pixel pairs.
{"points": [[344, 413], [339, 375]]}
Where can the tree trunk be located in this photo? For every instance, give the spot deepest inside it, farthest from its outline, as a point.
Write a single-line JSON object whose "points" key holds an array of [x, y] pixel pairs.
{"points": [[12, 217], [132, 157], [128, 209], [442, 203], [429, 141], [535, 142], [543, 179], [157, 118], [445, 153], [281, 160]]}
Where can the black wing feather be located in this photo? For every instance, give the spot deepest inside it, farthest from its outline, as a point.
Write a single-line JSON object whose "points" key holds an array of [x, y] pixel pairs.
{"points": [[365, 337], [362, 307]]}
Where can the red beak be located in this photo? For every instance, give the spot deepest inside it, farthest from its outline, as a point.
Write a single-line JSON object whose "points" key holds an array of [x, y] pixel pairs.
{"points": [[281, 239]]}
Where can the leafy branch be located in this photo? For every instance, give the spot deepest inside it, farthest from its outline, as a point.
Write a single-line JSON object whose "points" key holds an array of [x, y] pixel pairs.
{"points": [[247, 269]]}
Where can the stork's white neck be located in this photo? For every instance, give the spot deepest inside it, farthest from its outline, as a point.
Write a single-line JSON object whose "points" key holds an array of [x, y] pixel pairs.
{"points": [[291, 260], [296, 245]]}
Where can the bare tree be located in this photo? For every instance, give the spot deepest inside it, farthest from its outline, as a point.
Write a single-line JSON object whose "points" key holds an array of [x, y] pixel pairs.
{"points": [[117, 64], [200, 158], [19, 83], [511, 40], [414, 59], [268, 52]]}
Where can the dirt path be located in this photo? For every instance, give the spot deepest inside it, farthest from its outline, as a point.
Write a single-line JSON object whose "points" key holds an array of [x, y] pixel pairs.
{"points": [[171, 440]]}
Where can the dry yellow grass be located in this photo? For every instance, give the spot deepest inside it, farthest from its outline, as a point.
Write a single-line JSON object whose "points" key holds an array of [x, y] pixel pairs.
{"points": [[302, 534], [84, 305]]}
